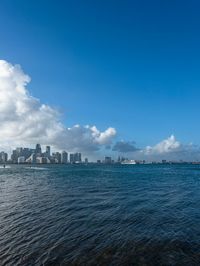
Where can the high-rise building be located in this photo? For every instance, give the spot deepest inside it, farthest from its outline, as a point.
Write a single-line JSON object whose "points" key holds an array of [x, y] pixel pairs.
{"points": [[48, 151], [14, 156], [57, 157], [79, 157], [108, 160], [71, 158], [38, 150], [26, 152], [19, 150], [3, 157], [64, 157], [75, 157]]}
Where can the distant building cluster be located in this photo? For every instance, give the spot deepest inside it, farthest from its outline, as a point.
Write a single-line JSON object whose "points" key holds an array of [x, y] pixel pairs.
{"points": [[120, 160], [37, 156], [33, 156]]}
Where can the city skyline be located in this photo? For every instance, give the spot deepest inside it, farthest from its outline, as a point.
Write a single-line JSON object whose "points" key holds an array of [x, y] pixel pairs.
{"points": [[21, 155], [132, 92], [44, 155]]}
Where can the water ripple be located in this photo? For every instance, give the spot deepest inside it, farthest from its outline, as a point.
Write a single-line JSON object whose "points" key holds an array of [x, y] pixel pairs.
{"points": [[100, 215]]}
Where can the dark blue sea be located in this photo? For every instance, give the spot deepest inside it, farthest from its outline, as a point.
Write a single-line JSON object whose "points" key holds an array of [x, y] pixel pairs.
{"points": [[100, 215]]}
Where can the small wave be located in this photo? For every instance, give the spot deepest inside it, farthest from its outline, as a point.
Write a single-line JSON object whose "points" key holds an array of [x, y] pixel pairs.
{"points": [[36, 168], [7, 166]]}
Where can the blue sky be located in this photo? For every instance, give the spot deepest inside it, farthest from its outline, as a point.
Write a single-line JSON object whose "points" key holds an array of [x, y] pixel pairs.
{"points": [[132, 65]]}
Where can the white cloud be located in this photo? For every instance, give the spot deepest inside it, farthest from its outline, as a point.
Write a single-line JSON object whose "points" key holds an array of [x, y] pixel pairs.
{"points": [[102, 137], [25, 120], [166, 146], [171, 149]]}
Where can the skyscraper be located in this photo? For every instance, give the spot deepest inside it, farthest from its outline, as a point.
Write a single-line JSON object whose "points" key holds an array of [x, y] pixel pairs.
{"points": [[14, 156], [3, 157], [48, 151], [108, 160], [71, 158], [38, 150], [64, 157], [57, 157], [75, 157]]}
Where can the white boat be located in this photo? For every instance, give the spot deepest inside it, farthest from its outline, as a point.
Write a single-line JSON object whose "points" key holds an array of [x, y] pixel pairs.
{"points": [[129, 162]]}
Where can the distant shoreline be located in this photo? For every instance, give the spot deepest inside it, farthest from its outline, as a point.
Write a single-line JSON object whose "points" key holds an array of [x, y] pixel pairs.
{"points": [[95, 163]]}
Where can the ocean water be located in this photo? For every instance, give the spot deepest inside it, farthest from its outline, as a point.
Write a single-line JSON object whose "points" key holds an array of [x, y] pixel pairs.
{"points": [[100, 215]]}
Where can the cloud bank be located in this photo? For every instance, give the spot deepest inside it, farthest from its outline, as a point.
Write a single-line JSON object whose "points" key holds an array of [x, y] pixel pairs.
{"points": [[168, 149], [171, 149], [166, 146], [25, 120]]}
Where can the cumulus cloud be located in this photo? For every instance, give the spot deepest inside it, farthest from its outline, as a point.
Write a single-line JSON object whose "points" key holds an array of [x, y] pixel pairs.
{"points": [[166, 146], [124, 146], [171, 149], [25, 120]]}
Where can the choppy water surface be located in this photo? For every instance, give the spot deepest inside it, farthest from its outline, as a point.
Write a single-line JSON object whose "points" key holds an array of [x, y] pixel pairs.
{"points": [[100, 215]]}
